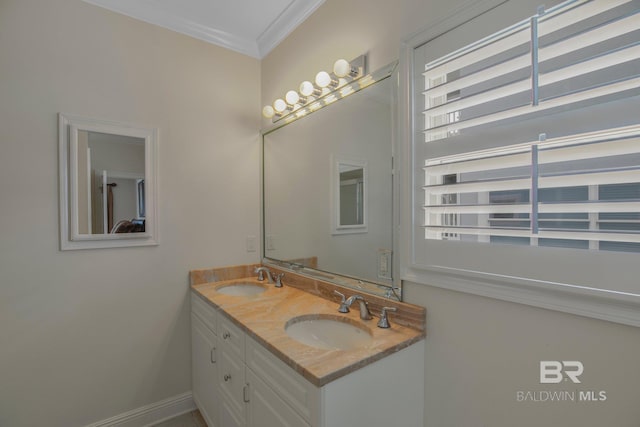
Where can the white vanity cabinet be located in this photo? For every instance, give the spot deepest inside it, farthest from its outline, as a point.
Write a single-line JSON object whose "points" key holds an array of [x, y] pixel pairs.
{"points": [[254, 388], [225, 390], [204, 360]]}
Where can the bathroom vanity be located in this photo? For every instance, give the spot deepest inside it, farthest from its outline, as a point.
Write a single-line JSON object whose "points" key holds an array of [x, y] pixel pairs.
{"points": [[249, 369]]}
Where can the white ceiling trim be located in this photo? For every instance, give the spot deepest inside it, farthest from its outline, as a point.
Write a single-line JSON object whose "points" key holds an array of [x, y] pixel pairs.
{"points": [[146, 10], [295, 14]]}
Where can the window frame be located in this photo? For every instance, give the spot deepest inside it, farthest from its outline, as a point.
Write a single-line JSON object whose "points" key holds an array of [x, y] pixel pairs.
{"points": [[618, 306]]}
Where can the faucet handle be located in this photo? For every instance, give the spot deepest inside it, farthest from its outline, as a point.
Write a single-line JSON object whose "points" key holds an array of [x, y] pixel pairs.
{"points": [[384, 319], [260, 272], [343, 302], [279, 280]]}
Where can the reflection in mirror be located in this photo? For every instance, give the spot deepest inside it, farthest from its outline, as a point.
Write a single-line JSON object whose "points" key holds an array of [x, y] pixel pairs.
{"points": [[110, 201], [107, 172], [351, 196], [349, 199], [328, 192]]}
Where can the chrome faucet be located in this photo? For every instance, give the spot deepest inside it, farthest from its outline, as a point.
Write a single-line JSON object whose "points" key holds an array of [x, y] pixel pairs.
{"points": [[271, 277], [365, 314], [261, 271]]}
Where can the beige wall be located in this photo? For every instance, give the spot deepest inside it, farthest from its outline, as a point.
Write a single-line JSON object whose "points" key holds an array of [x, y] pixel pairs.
{"points": [[480, 351], [87, 335]]}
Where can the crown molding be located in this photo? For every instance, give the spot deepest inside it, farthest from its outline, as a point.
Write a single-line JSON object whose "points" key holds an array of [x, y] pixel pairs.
{"points": [[294, 15], [146, 10]]}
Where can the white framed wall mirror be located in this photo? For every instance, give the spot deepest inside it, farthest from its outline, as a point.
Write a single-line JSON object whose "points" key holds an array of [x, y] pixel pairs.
{"points": [[107, 184], [349, 198]]}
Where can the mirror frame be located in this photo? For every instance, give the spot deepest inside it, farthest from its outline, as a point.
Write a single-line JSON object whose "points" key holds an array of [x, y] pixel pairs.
{"points": [[394, 290], [68, 128]]}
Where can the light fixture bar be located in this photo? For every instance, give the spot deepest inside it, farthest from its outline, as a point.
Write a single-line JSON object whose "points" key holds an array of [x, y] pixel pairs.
{"points": [[330, 96], [322, 91]]}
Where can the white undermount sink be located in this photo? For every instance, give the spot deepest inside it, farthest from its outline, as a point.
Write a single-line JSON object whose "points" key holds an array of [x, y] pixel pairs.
{"points": [[241, 289], [328, 332]]}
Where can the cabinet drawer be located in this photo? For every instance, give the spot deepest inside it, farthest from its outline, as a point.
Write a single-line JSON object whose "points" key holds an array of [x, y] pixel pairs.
{"points": [[206, 313], [290, 386], [231, 337]]}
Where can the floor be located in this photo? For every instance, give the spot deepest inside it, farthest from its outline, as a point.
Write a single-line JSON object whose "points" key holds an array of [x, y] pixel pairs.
{"points": [[190, 419]]}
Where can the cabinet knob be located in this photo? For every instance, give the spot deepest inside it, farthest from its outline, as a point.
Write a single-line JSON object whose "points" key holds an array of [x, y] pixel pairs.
{"points": [[226, 335], [227, 378]]}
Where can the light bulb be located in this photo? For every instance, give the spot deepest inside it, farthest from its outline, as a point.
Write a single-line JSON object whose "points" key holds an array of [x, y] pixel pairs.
{"points": [[292, 97], [268, 111], [307, 88], [341, 68], [323, 79], [279, 105]]}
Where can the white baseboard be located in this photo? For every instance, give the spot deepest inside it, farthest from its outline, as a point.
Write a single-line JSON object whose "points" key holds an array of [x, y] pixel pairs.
{"points": [[152, 414]]}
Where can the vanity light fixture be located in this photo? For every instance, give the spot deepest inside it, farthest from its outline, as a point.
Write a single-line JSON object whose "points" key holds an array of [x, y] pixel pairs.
{"points": [[308, 89], [328, 88], [280, 106], [343, 68], [268, 111], [323, 79], [292, 97]]}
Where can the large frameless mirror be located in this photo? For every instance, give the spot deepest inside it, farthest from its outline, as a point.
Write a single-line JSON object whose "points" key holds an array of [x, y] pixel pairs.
{"points": [[329, 191], [107, 184]]}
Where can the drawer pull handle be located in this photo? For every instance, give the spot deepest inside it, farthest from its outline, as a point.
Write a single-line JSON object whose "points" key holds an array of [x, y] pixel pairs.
{"points": [[226, 335], [227, 378], [245, 393], [213, 355]]}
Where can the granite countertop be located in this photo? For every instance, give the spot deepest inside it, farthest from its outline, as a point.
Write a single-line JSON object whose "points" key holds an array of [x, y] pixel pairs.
{"points": [[265, 315]]}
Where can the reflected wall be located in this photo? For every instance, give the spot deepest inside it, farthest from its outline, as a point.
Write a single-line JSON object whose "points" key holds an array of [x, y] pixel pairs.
{"points": [[301, 194]]}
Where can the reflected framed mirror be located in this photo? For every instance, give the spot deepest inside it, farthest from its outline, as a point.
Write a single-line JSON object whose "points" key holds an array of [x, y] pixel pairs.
{"points": [[107, 181], [329, 195], [349, 198]]}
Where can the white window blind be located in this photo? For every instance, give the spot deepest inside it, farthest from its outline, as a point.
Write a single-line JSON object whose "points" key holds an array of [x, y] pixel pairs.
{"points": [[532, 135]]}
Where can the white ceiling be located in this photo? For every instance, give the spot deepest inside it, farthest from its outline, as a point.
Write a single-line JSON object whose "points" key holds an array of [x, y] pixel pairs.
{"points": [[251, 27]]}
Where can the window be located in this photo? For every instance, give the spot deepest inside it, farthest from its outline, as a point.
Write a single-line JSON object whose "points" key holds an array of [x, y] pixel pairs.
{"points": [[526, 150], [580, 192]]}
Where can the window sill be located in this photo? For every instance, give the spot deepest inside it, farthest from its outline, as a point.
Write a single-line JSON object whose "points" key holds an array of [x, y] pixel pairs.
{"points": [[618, 307]]}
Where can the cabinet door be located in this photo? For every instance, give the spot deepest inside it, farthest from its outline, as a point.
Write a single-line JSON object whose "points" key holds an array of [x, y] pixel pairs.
{"points": [[232, 384], [228, 416], [204, 370], [267, 409]]}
